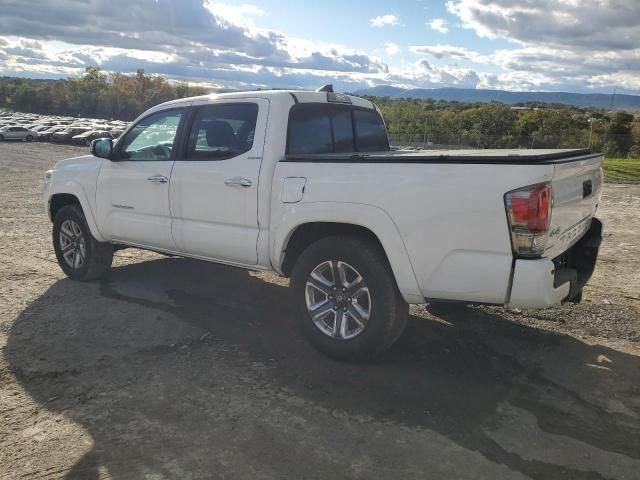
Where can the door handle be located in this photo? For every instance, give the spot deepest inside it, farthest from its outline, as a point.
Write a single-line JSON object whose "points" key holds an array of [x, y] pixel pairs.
{"points": [[158, 179], [238, 182]]}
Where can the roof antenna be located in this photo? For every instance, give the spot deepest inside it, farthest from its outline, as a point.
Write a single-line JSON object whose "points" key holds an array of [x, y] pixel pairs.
{"points": [[326, 88]]}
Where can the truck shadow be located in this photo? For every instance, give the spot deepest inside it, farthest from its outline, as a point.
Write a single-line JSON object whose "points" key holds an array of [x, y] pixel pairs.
{"points": [[162, 340]]}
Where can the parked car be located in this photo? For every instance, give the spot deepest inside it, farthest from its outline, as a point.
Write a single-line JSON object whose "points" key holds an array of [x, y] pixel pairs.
{"points": [[46, 135], [41, 128], [86, 137], [116, 133], [17, 133], [304, 184], [65, 135]]}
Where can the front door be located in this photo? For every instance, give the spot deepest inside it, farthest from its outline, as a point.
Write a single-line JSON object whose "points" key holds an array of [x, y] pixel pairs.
{"points": [[132, 198], [214, 188]]}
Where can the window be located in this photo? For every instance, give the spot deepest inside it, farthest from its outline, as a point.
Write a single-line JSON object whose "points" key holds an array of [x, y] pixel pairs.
{"points": [[309, 129], [152, 139], [222, 131], [370, 131], [317, 128], [342, 130]]}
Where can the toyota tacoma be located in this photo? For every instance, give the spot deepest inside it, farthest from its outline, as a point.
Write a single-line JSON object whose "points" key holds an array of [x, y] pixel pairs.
{"points": [[305, 184]]}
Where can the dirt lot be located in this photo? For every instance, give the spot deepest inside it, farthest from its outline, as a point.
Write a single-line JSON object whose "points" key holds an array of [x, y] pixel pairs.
{"points": [[171, 368]]}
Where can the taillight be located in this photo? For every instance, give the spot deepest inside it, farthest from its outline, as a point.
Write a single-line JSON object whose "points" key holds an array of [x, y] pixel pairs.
{"points": [[529, 216]]}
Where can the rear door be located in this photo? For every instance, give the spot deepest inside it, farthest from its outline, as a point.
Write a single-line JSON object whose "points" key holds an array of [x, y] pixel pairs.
{"points": [[214, 185], [576, 188]]}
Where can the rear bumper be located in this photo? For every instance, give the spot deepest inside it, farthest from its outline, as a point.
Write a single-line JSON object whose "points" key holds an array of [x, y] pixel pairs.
{"points": [[546, 282]]}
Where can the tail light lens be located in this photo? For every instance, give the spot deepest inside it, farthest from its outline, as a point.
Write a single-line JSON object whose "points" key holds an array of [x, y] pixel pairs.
{"points": [[529, 216]]}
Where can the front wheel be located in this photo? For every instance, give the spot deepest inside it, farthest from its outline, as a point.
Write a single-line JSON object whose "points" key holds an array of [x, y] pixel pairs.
{"points": [[79, 254], [346, 298], [1, 138], [29, 138]]}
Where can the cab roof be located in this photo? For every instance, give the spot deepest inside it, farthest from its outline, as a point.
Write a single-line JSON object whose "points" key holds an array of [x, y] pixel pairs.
{"points": [[297, 96]]}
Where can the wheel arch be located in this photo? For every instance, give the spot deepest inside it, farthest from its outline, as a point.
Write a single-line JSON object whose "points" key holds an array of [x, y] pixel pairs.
{"points": [[58, 200], [309, 222]]}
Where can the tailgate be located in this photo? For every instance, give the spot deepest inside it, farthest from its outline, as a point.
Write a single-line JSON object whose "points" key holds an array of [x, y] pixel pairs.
{"points": [[576, 187]]}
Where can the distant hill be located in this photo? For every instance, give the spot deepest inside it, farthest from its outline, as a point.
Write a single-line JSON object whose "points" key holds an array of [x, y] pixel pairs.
{"points": [[469, 95]]}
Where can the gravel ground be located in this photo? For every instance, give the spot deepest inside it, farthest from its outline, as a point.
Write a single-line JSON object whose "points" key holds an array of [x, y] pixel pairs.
{"points": [[171, 368]]}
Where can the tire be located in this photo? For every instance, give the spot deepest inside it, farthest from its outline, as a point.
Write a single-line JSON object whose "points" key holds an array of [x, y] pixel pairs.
{"points": [[97, 255], [1, 138], [577, 298], [29, 138], [387, 310]]}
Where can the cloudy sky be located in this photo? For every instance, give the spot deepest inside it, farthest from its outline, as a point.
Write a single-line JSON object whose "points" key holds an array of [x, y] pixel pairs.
{"points": [[568, 45]]}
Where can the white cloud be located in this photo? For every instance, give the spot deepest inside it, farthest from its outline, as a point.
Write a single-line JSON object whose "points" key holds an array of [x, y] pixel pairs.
{"points": [[446, 51], [220, 43], [392, 49], [236, 14], [587, 43], [384, 20], [439, 25], [599, 24]]}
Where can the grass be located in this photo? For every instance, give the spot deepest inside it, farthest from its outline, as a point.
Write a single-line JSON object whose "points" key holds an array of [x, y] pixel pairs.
{"points": [[622, 169]]}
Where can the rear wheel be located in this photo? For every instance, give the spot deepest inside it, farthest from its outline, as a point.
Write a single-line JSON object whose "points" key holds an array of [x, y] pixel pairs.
{"points": [[79, 254], [29, 138], [346, 298], [1, 138]]}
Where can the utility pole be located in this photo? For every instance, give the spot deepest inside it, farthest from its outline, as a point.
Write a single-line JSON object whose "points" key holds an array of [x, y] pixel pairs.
{"points": [[613, 97], [424, 137]]}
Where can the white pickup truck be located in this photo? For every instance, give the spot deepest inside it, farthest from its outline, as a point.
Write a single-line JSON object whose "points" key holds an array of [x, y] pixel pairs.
{"points": [[305, 184]]}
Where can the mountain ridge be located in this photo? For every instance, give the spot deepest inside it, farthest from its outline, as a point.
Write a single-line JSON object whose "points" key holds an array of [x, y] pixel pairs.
{"points": [[470, 95]]}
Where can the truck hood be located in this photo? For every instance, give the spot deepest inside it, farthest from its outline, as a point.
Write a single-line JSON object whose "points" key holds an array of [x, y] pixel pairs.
{"points": [[85, 162]]}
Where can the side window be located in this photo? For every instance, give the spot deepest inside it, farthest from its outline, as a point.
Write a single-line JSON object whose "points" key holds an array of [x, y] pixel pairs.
{"points": [[309, 130], [222, 131], [153, 137], [370, 131]]}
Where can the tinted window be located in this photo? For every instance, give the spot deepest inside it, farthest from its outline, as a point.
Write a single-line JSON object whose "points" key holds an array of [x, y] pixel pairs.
{"points": [[222, 131], [370, 131], [309, 130], [153, 137], [326, 128], [342, 130]]}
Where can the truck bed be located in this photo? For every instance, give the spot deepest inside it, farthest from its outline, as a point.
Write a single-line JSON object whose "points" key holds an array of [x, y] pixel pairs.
{"points": [[448, 206], [494, 156]]}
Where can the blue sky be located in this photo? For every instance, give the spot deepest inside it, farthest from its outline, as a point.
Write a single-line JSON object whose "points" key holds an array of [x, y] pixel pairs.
{"points": [[551, 45], [348, 23]]}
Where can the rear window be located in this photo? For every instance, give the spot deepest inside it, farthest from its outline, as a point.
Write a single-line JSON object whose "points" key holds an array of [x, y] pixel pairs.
{"points": [[316, 128], [372, 136], [310, 130]]}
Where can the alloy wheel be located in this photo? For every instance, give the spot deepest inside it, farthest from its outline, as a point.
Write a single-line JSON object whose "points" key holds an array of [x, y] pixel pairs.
{"points": [[338, 300], [72, 244]]}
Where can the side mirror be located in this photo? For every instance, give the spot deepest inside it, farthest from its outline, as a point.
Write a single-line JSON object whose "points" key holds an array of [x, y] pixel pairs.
{"points": [[102, 147]]}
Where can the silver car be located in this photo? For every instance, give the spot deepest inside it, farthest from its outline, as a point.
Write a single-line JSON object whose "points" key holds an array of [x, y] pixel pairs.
{"points": [[17, 133]]}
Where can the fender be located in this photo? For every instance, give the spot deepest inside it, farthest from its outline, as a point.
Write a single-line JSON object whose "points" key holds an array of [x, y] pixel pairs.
{"points": [[74, 188], [367, 216]]}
